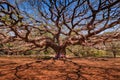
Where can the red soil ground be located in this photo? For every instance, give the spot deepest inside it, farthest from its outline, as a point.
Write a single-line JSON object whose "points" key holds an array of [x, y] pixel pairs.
{"points": [[69, 69]]}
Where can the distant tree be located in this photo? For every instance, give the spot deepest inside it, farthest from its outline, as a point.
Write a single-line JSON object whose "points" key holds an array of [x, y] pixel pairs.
{"points": [[58, 23], [113, 47]]}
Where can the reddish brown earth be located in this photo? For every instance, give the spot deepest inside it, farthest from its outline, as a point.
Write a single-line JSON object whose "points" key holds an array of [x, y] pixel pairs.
{"points": [[69, 69]]}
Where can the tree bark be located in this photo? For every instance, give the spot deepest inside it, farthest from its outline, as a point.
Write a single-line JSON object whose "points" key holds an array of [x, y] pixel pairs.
{"points": [[60, 53], [114, 54]]}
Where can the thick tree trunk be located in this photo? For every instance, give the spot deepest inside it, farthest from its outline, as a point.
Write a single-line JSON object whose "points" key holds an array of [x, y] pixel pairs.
{"points": [[114, 54], [60, 53]]}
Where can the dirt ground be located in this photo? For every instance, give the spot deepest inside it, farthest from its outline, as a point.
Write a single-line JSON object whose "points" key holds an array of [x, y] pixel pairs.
{"points": [[69, 69]]}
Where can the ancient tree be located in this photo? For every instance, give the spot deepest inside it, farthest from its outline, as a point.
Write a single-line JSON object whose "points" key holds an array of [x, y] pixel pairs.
{"points": [[58, 23]]}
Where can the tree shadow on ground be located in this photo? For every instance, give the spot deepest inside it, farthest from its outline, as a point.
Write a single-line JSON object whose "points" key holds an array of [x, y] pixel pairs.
{"points": [[62, 69]]}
